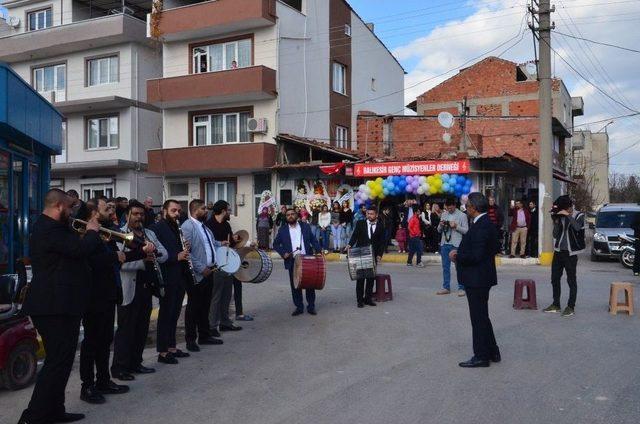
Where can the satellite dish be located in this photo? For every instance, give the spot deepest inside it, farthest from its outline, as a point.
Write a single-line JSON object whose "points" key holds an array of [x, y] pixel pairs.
{"points": [[446, 137], [531, 68], [13, 21], [445, 119]]}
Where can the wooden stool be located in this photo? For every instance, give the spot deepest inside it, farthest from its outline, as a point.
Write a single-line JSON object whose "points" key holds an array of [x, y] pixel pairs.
{"points": [[627, 306], [383, 291], [519, 301]]}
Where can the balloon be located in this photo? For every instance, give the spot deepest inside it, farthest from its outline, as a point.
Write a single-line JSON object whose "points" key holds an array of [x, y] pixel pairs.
{"points": [[445, 177], [409, 179], [420, 190], [379, 180], [409, 188], [415, 184], [423, 179]]}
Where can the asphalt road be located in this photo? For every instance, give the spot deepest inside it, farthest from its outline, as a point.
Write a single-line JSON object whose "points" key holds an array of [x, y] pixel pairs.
{"points": [[395, 363]]}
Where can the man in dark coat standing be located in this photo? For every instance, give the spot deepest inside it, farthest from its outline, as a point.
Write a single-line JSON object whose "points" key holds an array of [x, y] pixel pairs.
{"points": [[369, 232], [56, 300], [293, 239], [476, 266]]}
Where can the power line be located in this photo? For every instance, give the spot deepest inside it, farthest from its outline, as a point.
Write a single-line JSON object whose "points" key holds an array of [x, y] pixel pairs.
{"points": [[598, 42]]}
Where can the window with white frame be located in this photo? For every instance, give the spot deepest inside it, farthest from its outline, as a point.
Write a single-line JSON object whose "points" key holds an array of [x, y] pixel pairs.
{"points": [[103, 70], [339, 78], [39, 19], [91, 191], [102, 133], [52, 78], [222, 56], [342, 137], [347, 30], [221, 128], [222, 190]]}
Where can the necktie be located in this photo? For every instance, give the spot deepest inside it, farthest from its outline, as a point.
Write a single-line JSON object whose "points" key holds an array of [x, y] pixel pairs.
{"points": [[213, 252], [371, 231]]}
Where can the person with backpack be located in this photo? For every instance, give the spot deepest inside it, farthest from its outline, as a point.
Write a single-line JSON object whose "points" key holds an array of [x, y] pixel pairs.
{"points": [[568, 242]]}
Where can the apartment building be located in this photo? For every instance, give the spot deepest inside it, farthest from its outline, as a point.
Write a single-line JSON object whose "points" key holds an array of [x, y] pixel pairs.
{"points": [[91, 60], [239, 74], [589, 153]]}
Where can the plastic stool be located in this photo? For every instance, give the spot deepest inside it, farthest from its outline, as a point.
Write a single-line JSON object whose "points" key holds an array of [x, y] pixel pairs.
{"points": [[627, 306], [519, 301], [383, 291]]}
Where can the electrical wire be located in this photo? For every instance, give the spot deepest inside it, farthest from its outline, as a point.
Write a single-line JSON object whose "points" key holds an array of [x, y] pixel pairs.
{"points": [[597, 42]]}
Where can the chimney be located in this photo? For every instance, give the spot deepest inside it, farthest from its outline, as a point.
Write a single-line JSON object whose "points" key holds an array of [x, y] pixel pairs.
{"points": [[371, 26]]}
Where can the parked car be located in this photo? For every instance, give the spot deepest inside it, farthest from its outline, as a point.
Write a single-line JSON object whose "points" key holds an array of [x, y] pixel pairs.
{"points": [[612, 220]]}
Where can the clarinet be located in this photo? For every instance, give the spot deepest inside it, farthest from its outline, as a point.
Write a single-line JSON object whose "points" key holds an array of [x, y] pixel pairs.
{"points": [[159, 284], [189, 263]]}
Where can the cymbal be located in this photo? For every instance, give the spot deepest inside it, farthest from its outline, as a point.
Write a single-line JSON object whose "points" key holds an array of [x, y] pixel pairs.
{"points": [[243, 235]]}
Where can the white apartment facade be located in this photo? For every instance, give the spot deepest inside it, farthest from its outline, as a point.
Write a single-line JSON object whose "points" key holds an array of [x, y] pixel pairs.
{"points": [[237, 74], [91, 61]]}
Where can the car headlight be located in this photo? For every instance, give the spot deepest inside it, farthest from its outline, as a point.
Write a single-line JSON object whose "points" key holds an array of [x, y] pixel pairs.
{"points": [[599, 237]]}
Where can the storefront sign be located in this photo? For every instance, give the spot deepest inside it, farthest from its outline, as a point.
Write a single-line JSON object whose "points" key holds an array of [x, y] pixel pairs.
{"points": [[412, 168]]}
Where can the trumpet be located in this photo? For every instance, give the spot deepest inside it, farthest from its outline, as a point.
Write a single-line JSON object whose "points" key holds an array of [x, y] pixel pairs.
{"points": [[183, 243], [107, 235]]}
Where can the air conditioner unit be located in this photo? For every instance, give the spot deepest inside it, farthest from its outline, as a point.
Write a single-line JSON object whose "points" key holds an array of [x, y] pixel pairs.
{"points": [[257, 125]]}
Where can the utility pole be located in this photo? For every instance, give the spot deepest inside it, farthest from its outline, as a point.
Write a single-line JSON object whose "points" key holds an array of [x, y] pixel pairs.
{"points": [[463, 125], [545, 163]]}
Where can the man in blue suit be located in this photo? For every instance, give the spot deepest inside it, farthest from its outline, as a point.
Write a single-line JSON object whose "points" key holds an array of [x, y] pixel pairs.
{"points": [[293, 239], [476, 266]]}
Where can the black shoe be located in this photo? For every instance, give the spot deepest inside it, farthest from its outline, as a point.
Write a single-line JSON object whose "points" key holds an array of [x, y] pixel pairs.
{"points": [[67, 417], [495, 356], [523, 256], [312, 311], [210, 341], [360, 305], [475, 363], [141, 369], [297, 312], [230, 327], [167, 359], [111, 388], [369, 302], [180, 354], [91, 395], [122, 375], [214, 332], [193, 347]]}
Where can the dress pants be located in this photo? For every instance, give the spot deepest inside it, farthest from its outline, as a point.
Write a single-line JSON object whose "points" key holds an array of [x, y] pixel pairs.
{"points": [[60, 339], [196, 315], [96, 345], [133, 327], [563, 261], [362, 294], [170, 308], [519, 235], [296, 294], [220, 299], [237, 296], [484, 341]]}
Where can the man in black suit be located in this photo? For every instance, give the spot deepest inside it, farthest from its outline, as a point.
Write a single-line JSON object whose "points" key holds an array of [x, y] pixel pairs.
{"points": [[175, 273], [476, 266], [369, 232], [56, 300]]}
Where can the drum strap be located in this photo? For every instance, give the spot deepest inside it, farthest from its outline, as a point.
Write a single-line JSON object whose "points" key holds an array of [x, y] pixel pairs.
{"points": [[213, 252]]}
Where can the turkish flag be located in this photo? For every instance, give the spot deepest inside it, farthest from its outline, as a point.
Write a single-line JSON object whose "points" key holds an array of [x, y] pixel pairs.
{"points": [[332, 169]]}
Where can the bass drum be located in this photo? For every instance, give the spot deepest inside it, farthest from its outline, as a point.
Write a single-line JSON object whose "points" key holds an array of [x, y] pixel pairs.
{"points": [[309, 272], [255, 265], [227, 260]]}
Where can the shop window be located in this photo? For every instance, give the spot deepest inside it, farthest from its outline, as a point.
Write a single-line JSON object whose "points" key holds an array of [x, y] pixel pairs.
{"points": [[222, 190]]}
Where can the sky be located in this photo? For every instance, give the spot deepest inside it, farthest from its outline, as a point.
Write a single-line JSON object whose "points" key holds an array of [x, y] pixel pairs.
{"points": [[433, 39]]}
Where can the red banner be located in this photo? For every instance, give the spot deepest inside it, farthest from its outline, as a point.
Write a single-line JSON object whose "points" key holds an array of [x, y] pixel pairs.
{"points": [[412, 168], [332, 169]]}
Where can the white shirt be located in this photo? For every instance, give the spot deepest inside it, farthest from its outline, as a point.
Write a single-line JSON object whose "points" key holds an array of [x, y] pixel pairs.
{"points": [[208, 244], [297, 242], [478, 217], [371, 228]]}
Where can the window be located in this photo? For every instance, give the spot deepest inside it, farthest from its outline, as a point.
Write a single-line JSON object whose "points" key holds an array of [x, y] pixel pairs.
{"points": [[51, 79], [222, 56], [222, 190], [339, 78], [102, 133], [221, 128], [91, 191], [296, 4], [342, 137], [39, 19], [347, 30], [178, 189], [103, 70]]}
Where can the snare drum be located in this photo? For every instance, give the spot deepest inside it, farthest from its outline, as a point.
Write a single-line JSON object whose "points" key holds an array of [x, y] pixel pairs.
{"points": [[227, 260], [361, 263], [255, 265], [309, 272]]}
